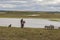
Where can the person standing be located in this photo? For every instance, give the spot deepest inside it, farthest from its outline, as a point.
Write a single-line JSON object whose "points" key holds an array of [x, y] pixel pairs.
{"points": [[22, 23]]}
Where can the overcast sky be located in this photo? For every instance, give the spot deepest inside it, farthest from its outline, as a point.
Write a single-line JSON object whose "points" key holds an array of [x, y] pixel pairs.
{"points": [[30, 5]]}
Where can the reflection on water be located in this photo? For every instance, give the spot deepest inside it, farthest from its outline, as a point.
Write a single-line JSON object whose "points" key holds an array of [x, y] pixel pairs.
{"points": [[30, 22]]}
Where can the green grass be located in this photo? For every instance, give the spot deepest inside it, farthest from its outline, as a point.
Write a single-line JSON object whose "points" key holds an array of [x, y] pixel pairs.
{"points": [[28, 34]]}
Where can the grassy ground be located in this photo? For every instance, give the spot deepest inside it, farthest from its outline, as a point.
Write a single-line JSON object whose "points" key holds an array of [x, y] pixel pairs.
{"points": [[19, 14], [28, 34], [26, 16]]}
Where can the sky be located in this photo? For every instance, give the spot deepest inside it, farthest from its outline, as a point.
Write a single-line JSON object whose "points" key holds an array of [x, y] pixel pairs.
{"points": [[30, 5]]}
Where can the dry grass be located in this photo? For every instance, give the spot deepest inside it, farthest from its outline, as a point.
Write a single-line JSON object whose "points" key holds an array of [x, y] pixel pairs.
{"points": [[18, 14], [28, 34]]}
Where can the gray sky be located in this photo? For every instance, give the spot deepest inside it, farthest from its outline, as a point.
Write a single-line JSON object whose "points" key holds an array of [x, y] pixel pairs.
{"points": [[30, 5]]}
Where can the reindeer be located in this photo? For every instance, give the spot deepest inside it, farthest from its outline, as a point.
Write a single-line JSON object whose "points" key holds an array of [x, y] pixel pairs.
{"points": [[49, 27], [9, 25]]}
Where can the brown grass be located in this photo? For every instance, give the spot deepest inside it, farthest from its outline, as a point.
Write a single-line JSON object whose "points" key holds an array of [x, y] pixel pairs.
{"points": [[28, 34]]}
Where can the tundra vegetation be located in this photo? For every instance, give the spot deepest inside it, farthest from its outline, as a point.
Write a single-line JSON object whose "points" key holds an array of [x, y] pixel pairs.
{"points": [[29, 14], [11, 33]]}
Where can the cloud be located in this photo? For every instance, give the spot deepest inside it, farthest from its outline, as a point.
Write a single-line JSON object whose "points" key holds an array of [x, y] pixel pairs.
{"points": [[48, 2], [7, 6], [19, 1], [30, 4]]}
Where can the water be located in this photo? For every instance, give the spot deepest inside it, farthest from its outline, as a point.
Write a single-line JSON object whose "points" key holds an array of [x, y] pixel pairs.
{"points": [[30, 22]]}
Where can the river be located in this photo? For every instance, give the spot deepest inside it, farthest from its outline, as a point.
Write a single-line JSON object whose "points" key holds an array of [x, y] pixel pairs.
{"points": [[30, 22]]}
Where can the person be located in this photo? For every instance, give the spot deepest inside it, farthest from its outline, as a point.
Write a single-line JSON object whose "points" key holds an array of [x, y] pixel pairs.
{"points": [[22, 23]]}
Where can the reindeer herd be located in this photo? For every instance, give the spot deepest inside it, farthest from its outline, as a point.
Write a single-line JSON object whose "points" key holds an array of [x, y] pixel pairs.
{"points": [[49, 27]]}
